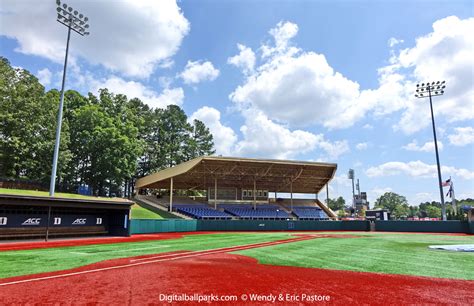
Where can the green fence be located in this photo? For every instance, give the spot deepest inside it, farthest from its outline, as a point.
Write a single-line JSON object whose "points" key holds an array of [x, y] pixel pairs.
{"points": [[140, 226], [280, 225], [423, 226]]}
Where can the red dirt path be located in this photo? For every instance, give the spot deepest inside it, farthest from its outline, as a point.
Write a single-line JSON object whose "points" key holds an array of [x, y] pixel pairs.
{"points": [[29, 245], [228, 274]]}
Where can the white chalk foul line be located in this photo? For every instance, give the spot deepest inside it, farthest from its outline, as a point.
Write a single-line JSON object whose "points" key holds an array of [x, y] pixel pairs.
{"points": [[176, 257], [231, 248]]}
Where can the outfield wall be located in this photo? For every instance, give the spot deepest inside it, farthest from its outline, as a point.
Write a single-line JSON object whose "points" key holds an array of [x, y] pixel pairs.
{"points": [[423, 226], [280, 225], [141, 226], [138, 226]]}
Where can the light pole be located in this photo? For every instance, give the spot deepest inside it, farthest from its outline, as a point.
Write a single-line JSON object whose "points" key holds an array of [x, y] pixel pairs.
{"points": [[433, 89], [78, 23], [350, 175]]}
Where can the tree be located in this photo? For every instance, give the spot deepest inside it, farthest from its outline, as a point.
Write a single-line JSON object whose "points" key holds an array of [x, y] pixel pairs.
{"points": [[336, 204], [396, 204], [433, 211], [27, 126], [201, 141], [107, 141]]}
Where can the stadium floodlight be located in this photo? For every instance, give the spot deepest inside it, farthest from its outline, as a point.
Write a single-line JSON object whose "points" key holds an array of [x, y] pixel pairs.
{"points": [[430, 90], [67, 16]]}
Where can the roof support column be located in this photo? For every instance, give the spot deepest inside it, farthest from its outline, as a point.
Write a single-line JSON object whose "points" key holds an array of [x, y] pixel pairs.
{"points": [[171, 194], [215, 192], [291, 192], [254, 193], [327, 194]]}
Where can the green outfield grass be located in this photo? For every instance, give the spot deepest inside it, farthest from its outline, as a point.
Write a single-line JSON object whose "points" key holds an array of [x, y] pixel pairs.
{"points": [[15, 263], [56, 195], [139, 212], [373, 252]]}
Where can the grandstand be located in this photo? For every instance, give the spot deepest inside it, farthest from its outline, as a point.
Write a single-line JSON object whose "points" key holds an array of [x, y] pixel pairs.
{"points": [[261, 211], [240, 188]]}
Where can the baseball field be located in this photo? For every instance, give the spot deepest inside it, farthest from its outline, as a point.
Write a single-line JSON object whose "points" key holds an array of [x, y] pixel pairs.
{"points": [[237, 267]]}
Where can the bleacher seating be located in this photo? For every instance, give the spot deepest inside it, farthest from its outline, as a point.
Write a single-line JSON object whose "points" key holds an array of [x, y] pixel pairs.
{"points": [[263, 211], [309, 213], [201, 211]]}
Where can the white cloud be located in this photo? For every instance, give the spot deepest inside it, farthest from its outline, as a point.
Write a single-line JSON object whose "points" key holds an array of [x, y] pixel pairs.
{"points": [[134, 89], [44, 76], [416, 169], [263, 137], [444, 54], [198, 71], [462, 137], [368, 126], [422, 197], [132, 37], [333, 149], [427, 147], [362, 146], [394, 41], [224, 137], [282, 34], [376, 192], [245, 60], [301, 88]]}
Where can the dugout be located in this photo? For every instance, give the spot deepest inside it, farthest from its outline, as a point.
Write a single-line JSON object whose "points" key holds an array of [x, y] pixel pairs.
{"points": [[23, 217]]}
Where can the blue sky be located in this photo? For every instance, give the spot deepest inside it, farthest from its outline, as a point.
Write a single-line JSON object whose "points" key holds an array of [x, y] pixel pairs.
{"points": [[307, 80]]}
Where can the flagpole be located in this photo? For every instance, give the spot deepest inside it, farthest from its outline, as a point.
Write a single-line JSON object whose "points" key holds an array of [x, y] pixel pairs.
{"points": [[453, 198]]}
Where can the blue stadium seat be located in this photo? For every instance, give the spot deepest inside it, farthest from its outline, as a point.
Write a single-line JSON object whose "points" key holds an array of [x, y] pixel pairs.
{"points": [[262, 212], [201, 211], [309, 213]]}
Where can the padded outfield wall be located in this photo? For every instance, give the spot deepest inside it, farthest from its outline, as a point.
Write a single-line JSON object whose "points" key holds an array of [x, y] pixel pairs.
{"points": [[164, 226]]}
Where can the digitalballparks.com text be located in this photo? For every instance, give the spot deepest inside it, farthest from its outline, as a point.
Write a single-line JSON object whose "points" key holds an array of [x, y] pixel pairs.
{"points": [[251, 297]]}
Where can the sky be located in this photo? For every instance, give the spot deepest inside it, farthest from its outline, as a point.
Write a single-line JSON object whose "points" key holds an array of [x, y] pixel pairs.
{"points": [[323, 81]]}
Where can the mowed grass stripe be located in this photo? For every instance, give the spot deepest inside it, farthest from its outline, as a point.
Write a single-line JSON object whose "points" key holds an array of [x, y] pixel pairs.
{"points": [[407, 255], [24, 262]]}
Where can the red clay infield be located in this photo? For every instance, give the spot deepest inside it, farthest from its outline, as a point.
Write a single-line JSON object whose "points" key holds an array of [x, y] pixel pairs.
{"points": [[220, 273]]}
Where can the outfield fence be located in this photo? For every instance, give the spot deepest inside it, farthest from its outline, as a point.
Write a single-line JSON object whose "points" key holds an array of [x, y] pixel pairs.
{"points": [[453, 226], [141, 226]]}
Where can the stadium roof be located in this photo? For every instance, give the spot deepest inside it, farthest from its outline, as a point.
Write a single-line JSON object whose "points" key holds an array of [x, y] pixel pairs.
{"points": [[271, 174]]}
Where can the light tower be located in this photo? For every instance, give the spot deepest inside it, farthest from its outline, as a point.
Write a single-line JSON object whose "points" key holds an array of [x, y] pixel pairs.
{"points": [[425, 90], [76, 22]]}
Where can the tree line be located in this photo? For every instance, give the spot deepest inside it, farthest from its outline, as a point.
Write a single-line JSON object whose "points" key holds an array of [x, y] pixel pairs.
{"points": [[399, 208], [107, 141]]}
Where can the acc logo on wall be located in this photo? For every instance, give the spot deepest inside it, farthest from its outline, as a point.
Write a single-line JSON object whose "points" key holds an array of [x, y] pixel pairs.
{"points": [[79, 221], [32, 221], [3, 220]]}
